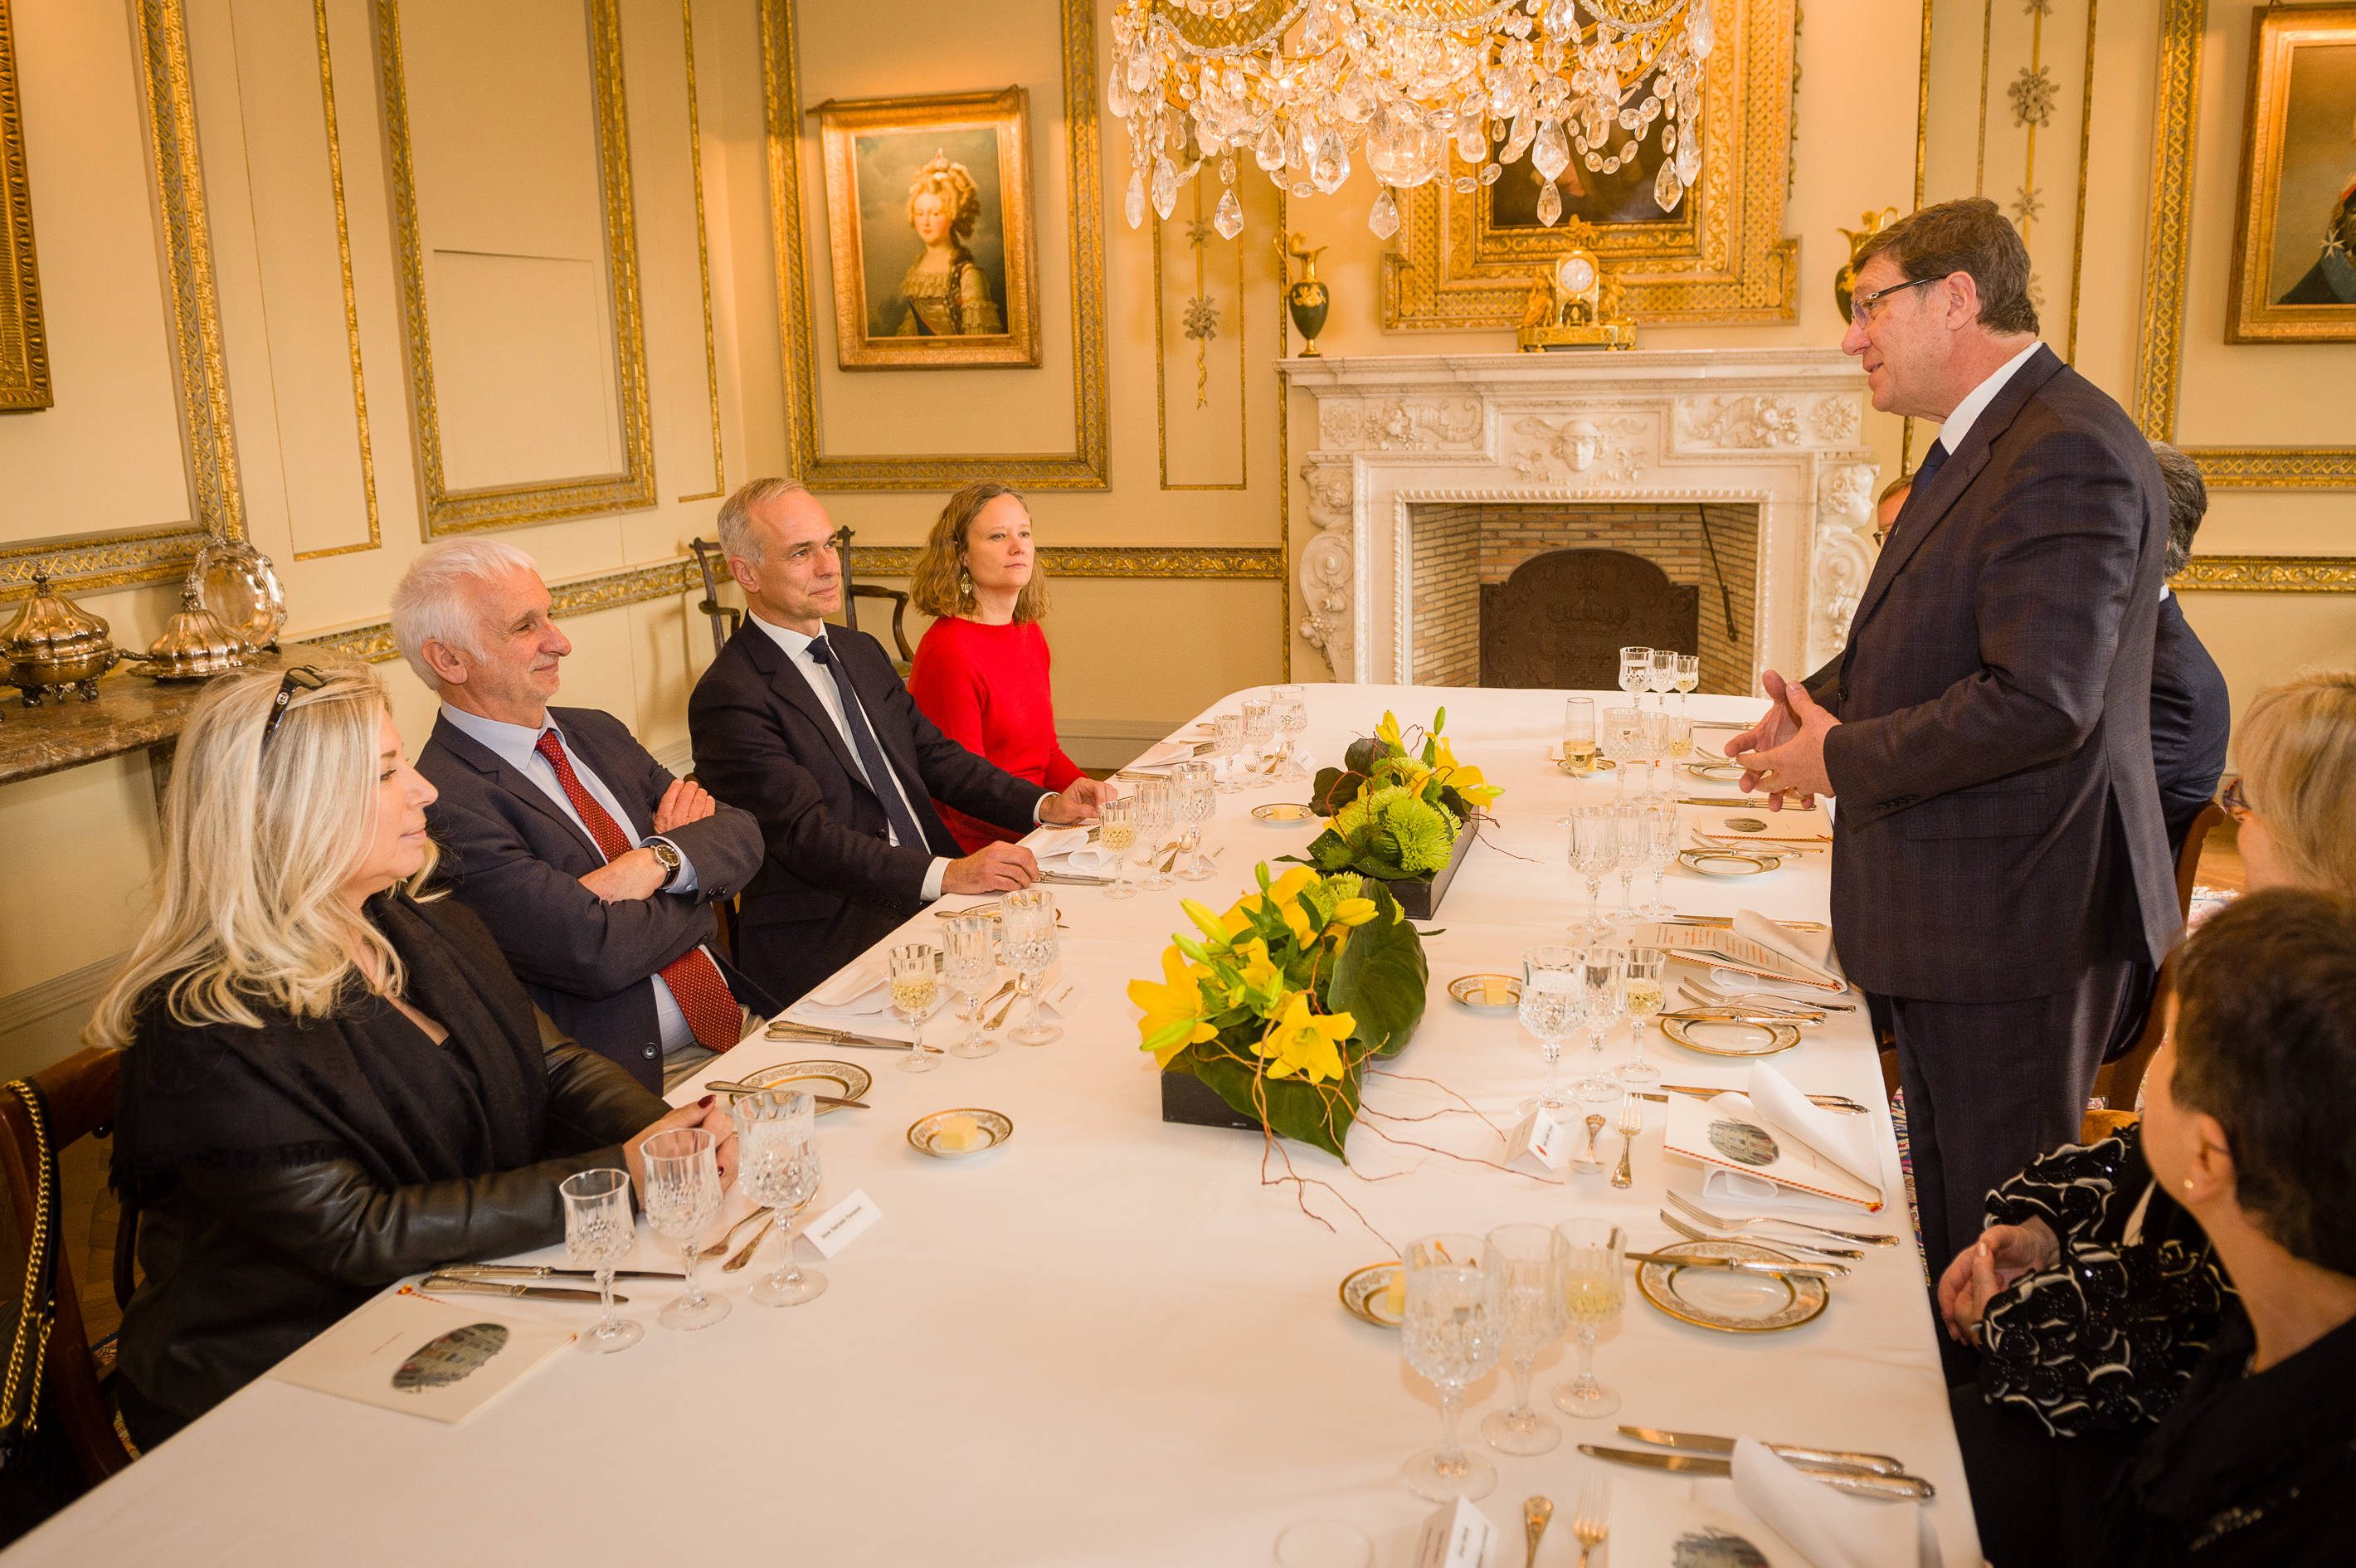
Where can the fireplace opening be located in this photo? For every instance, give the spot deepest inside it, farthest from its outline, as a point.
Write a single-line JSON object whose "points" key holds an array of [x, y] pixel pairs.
{"points": [[1561, 618], [1463, 558]]}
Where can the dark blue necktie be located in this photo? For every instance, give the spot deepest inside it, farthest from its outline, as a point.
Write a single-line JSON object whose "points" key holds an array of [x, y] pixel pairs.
{"points": [[880, 777], [1933, 461]]}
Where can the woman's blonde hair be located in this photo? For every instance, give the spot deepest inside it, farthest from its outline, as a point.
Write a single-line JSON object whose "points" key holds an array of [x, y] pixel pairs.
{"points": [[939, 584], [2297, 752], [957, 191], [259, 839]]}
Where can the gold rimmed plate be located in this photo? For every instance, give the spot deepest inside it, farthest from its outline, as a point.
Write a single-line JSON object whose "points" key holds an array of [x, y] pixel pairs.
{"points": [[854, 1079], [926, 1136], [1473, 990], [1600, 764], [1716, 772], [1728, 1036], [1729, 1302], [1726, 863], [1283, 811], [1366, 1293]]}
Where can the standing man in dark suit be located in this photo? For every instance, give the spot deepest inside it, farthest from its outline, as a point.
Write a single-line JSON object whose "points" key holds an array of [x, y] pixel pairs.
{"points": [[594, 867], [2000, 872], [808, 727], [2191, 713]]}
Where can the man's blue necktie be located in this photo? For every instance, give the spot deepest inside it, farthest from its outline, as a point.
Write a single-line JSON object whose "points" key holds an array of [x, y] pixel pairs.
{"points": [[1933, 461], [880, 777]]}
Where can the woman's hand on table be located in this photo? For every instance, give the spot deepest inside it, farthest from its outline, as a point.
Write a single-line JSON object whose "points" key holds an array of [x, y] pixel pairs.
{"points": [[1983, 1270], [706, 1112]]}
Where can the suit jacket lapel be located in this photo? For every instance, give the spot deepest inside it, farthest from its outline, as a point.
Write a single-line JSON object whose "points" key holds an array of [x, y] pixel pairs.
{"points": [[786, 678], [484, 760]]}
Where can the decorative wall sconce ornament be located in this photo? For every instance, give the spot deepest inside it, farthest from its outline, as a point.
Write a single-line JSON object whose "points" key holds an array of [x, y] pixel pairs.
{"points": [[1845, 280], [1397, 81], [55, 649], [1575, 303], [1307, 299]]}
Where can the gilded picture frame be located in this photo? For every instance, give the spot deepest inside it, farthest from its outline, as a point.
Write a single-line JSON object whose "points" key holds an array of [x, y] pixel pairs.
{"points": [[1465, 260], [2294, 276], [24, 344], [929, 228]]}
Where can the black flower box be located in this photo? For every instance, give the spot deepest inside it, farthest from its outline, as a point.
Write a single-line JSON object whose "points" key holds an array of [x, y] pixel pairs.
{"points": [[1420, 898], [1187, 1098]]}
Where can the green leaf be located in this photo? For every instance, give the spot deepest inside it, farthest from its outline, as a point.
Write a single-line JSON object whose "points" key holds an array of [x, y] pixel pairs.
{"points": [[1381, 978], [1320, 1114], [1360, 756]]}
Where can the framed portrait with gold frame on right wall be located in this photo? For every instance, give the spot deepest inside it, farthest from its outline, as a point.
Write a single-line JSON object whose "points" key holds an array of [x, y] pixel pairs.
{"points": [[2295, 240]]}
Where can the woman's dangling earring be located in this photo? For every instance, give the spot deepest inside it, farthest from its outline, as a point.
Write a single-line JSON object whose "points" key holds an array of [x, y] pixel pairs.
{"points": [[965, 587]]}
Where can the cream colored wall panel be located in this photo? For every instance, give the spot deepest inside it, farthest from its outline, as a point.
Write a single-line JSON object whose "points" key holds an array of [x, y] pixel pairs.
{"points": [[600, 672], [2118, 194], [743, 266], [108, 454], [668, 650], [2262, 640], [82, 844], [522, 356]]}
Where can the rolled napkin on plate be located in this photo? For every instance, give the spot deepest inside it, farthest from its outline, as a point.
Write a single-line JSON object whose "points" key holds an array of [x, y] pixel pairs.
{"points": [[1831, 1529]]}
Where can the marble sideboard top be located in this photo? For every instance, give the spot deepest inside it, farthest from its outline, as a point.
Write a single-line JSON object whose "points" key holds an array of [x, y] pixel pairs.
{"points": [[132, 710]]}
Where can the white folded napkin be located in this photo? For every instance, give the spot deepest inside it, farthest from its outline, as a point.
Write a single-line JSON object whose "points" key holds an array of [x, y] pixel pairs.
{"points": [[1813, 949], [852, 984], [1045, 841], [1735, 982], [1846, 1139], [1832, 1530], [1089, 862], [874, 1001], [1725, 1186], [1163, 751]]}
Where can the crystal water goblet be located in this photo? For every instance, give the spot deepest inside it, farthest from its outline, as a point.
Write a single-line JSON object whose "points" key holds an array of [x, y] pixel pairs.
{"points": [[1635, 670], [915, 985], [778, 1164], [1156, 813], [1527, 1262], [1594, 851], [1624, 743], [1116, 835], [1260, 729], [1593, 1288], [1291, 719], [1688, 676], [1031, 945], [1550, 1009], [1627, 844], [1661, 676], [1601, 974], [1227, 745], [1660, 853], [1644, 991], [970, 965], [1195, 789], [1579, 745], [1450, 1336], [681, 1196], [599, 1231], [1677, 742]]}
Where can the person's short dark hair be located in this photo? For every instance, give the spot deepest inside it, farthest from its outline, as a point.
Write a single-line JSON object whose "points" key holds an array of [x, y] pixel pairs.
{"points": [[2188, 501], [2265, 1042], [1967, 236]]}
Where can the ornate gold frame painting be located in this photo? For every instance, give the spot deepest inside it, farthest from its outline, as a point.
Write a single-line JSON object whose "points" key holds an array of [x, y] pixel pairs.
{"points": [[2295, 238], [928, 217], [1465, 259], [24, 345]]}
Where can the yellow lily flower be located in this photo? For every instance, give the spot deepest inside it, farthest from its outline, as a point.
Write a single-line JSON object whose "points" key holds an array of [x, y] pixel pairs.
{"points": [[1173, 1011], [1285, 894], [1353, 911], [1306, 1044], [1388, 732]]}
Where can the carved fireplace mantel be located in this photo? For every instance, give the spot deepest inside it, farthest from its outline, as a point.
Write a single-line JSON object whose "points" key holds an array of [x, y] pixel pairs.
{"points": [[1775, 428]]}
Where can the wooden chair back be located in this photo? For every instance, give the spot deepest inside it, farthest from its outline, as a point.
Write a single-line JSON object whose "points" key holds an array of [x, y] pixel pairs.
{"points": [[2118, 1085], [713, 561], [854, 591], [75, 1099]]}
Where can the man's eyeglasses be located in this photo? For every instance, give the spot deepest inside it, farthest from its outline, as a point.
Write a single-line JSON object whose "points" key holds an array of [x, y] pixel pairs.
{"points": [[305, 676], [2236, 803], [1862, 306]]}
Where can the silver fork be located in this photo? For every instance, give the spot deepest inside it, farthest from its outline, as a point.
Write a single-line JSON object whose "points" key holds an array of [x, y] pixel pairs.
{"points": [[1632, 1122], [1870, 1238], [1692, 1234]]}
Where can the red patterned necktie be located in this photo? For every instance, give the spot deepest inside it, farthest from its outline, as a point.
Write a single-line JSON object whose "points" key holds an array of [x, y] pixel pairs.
{"points": [[694, 979]]}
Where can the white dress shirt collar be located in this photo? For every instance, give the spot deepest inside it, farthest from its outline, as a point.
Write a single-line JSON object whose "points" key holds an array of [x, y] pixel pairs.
{"points": [[1959, 423], [515, 745]]}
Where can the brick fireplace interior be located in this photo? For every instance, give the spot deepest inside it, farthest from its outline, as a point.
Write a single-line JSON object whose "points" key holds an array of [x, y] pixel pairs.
{"points": [[1457, 547]]}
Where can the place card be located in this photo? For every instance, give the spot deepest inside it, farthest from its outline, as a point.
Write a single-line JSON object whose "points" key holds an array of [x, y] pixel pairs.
{"points": [[1458, 1536], [835, 1228], [1540, 1145]]}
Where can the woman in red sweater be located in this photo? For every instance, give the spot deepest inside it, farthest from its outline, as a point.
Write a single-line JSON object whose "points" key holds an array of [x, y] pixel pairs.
{"points": [[981, 669]]}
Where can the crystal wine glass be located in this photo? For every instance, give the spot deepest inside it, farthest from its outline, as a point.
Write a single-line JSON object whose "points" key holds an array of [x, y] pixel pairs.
{"points": [[1551, 1003], [1677, 741], [1031, 945], [1628, 843], [1600, 973], [1259, 728], [1291, 718], [1116, 834], [1449, 1335], [1624, 743], [599, 1231], [916, 984], [1579, 735], [1660, 853], [1594, 851], [1527, 1263], [779, 1164], [1593, 1288], [681, 1198], [1197, 792], [1156, 813], [1635, 670], [971, 966], [1688, 676], [1227, 745], [1661, 676], [1643, 981]]}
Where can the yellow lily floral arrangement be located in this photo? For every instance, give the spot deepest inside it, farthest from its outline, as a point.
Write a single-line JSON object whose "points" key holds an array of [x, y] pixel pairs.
{"points": [[1397, 803], [1277, 1004]]}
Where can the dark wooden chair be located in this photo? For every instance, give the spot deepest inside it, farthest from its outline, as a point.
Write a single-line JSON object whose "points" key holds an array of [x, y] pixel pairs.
{"points": [[76, 1099], [854, 591], [1561, 618], [709, 556], [2120, 1081]]}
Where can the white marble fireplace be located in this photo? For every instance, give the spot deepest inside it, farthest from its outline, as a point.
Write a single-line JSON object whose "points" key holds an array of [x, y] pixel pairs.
{"points": [[1772, 428]]}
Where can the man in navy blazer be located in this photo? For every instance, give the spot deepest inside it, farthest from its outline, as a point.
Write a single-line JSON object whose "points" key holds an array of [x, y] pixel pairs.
{"points": [[2191, 712], [2001, 880], [808, 727], [595, 869]]}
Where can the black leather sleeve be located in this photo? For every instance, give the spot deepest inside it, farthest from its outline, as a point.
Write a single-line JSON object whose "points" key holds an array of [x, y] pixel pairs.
{"points": [[593, 1104]]}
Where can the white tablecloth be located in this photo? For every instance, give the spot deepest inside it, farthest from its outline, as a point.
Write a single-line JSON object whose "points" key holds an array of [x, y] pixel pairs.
{"points": [[1110, 1341]]}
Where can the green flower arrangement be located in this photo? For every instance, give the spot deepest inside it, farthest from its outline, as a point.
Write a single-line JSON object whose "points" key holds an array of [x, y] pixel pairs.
{"points": [[1277, 1003], [1397, 806]]}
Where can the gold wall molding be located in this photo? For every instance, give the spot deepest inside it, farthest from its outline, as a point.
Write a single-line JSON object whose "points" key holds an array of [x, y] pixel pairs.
{"points": [[2267, 574], [101, 561], [704, 262], [352, 299], [373, 643], [24, 343], [507, 505], [1241, 563], [1084, 466]]}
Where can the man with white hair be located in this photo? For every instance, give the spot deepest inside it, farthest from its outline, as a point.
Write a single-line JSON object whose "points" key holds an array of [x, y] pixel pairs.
{"points": [[594, 867]]}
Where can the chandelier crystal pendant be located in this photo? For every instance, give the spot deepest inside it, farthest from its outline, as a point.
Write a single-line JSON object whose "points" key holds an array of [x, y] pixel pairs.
{"points": [[1402, 84]]}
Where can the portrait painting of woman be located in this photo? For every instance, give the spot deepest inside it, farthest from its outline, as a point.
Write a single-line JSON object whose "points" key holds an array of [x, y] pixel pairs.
{"points": [[947, 296], [2295, 253]]}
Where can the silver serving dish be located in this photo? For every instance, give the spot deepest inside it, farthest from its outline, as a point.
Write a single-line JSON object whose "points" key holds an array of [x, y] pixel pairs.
{"points": [[55, 647], [238, 585], [194, 646]]}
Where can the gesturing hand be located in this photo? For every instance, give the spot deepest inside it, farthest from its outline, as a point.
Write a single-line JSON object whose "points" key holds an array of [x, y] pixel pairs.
{"points": [[1077, 803], [683, 803], [994, 868], [1981, 1271], [1793, 754]]}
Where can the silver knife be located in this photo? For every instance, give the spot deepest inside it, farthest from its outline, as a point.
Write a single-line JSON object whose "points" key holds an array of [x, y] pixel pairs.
{"points": [[783, 1029], [1077, 878], [541, 1271], [452, 1284], [1742, 1266], [1702, 1443], [1864, 1484]]}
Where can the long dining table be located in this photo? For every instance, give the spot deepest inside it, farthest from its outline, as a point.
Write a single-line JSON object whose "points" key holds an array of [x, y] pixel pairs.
{"points": [[1112, 1339]]}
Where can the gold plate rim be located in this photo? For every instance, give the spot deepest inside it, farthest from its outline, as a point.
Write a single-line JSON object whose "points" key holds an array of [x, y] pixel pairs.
{"points": [[1761, 865], [1655, 1289], [856, 1081], [1776, 1044], [1356, 1307], [1458, 987], [1715, 772], [1274, 811], [997, 1124]]}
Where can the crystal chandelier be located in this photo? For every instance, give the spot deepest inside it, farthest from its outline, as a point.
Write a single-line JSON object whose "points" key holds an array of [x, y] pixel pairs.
{"points": [[1402, 83]]}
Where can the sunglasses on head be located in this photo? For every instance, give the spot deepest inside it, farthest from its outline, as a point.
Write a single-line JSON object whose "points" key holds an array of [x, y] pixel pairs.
{"points": [[304, 676]]}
